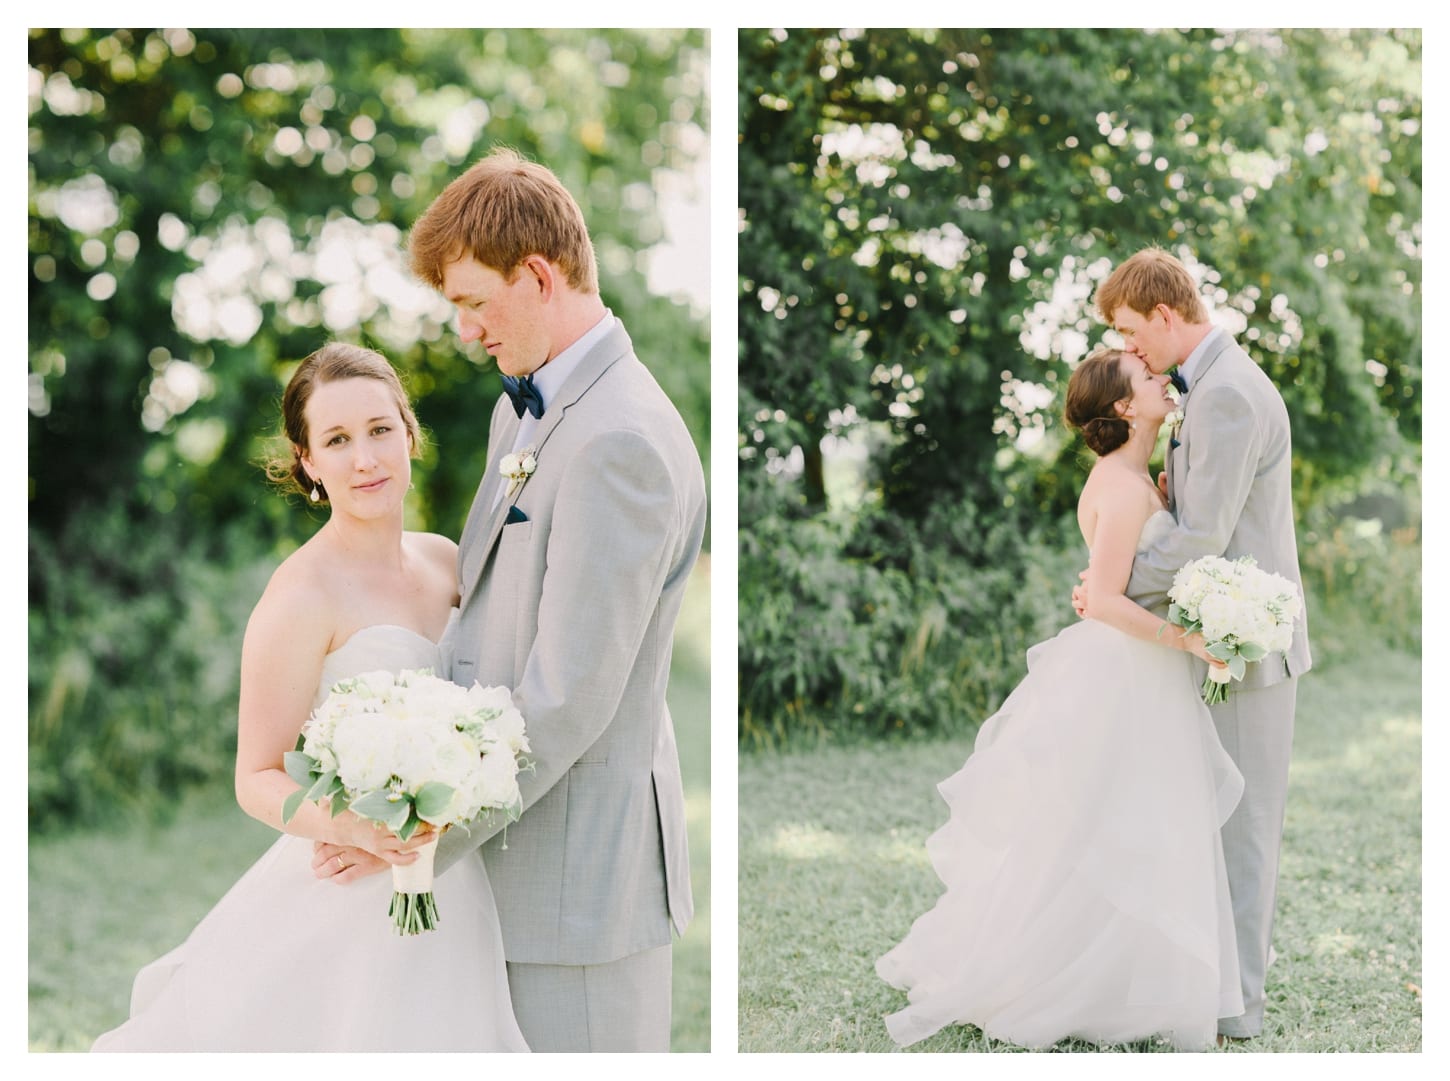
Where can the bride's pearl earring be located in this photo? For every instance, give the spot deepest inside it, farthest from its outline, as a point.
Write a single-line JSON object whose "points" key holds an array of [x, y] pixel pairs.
{"points": [[316, 496]]}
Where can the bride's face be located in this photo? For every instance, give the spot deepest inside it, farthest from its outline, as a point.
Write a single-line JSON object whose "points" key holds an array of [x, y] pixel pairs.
{"points": [[357, 446], [1150, 400]]}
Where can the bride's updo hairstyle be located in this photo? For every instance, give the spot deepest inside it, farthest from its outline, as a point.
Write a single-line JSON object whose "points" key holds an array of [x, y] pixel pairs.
{"points": [[333, 363], [1097, 385]]}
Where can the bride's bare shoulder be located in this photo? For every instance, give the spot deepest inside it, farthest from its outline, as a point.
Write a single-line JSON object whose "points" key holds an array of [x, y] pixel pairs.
{"points": [[297, 597], [434, 547], [1112, 491]]}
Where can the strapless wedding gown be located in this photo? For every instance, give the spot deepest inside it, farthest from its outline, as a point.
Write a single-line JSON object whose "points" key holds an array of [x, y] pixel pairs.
{"points": [[290, 962], [1085, 890]]}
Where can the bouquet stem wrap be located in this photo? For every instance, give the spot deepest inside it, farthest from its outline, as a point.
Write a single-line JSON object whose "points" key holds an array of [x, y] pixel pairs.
{"points": [[413, 908], [1215, 685]]}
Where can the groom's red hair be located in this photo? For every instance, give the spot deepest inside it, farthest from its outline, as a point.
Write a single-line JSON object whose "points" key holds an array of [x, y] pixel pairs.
{"points": [[1147, 279], [500, 212]]}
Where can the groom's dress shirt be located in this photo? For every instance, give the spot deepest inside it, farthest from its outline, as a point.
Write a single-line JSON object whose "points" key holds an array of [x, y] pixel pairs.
{"points": [[1190, 366]]}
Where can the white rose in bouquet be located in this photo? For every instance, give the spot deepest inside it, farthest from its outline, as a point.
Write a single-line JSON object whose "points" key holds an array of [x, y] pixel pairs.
{"points": [[496, 783]]}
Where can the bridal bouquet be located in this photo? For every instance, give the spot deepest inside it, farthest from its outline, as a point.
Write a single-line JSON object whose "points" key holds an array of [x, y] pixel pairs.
{"points": [[407, 748], [1244, 614]]}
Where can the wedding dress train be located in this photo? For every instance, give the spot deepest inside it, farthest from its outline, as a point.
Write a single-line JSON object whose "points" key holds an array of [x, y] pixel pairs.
{"points": [[289, 962], [1085, 890]]}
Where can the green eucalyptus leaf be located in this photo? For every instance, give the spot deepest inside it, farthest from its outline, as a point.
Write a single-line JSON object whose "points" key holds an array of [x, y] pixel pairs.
{"points": [[433, 798], [374, 805], [321, 785], [291, 803], [400, 816], [300, 767]]}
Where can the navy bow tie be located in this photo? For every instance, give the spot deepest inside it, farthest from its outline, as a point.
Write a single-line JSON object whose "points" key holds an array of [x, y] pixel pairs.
{"points": [[1179, 383], [524, 395]]}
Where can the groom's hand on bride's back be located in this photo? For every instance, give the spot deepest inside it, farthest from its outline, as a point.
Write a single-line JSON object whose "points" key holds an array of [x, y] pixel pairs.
{"points": [[1079, 594], [343, 863]]}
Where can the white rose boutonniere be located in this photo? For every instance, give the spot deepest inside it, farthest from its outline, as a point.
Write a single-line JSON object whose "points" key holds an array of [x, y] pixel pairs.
{"points": [[1175, 422], [518, 467]]}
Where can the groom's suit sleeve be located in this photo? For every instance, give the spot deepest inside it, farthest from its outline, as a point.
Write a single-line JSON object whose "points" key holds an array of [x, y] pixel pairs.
{"points": [[616, 529], [1223, 452]]}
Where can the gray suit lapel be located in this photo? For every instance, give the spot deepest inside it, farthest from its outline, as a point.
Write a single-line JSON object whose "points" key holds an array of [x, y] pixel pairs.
{"points": [[1210, 357], [600, 359], [474, 550], [483, 511], [1221, 346]]}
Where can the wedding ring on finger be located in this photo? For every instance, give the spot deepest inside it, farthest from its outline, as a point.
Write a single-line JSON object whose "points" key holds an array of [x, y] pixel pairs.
{"points": [[340, 865]]}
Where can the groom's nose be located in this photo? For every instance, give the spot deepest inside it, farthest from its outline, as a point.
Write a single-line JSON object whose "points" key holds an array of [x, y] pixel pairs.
{"points": [[470, 327]]}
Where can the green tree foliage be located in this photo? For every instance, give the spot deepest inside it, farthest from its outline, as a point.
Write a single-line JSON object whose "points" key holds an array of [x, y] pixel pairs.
{"points": [[209, 206], [924, 216]]}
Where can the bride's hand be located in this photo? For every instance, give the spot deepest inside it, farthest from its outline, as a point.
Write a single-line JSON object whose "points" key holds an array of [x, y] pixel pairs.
{"points": [[342, 864], [1194, 643], [357, 832]]}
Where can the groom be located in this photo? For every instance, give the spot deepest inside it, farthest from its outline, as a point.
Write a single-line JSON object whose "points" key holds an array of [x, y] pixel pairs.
{"points": [[1228, 485], [572, 567]]}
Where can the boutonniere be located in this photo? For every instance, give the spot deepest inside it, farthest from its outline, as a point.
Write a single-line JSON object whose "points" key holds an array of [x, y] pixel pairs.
{"points": [[518, 467], [1175, 422]]}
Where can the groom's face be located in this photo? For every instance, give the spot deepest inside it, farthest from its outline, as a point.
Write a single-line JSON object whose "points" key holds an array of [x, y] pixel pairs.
{"points": [[1148, 336], [507, 316]]}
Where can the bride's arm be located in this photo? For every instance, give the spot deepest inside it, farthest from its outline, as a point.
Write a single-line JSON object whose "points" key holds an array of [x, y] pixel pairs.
{"points": [[1117, 521], [286, 640]]}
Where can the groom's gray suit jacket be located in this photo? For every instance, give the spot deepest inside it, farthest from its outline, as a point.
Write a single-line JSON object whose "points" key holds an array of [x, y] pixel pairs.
{"points": [[1229, 487], [574, 609]]}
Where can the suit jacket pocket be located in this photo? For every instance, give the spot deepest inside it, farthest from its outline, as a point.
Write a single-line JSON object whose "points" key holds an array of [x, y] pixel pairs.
{"points": [[515, 533]]}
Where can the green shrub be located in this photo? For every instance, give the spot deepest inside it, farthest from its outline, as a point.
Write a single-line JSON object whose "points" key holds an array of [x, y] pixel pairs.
{"points": [[1362, 582], [886, 628], [878, 627], [135, 644]]}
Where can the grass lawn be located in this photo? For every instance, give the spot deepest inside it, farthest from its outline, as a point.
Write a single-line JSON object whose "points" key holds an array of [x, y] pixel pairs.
{"points": [[832, 871], [103, 904]]}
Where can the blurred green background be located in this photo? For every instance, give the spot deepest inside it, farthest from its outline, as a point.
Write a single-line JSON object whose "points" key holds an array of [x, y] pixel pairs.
{"points": [[206, 207]]}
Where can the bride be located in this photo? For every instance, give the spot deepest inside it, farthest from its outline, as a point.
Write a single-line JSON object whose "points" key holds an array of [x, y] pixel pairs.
{"points": [[287, 961], [1085, 890]]}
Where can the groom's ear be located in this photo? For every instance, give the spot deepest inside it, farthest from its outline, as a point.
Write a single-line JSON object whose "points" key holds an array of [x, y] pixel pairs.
{"points": [[543, 273]]}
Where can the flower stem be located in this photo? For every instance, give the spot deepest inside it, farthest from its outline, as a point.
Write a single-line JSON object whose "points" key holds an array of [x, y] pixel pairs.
{"points": [[413, 913]]}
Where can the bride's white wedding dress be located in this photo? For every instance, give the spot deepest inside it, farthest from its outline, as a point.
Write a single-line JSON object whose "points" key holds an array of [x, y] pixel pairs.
{"points": [[1086, 894], [289, 962]]}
